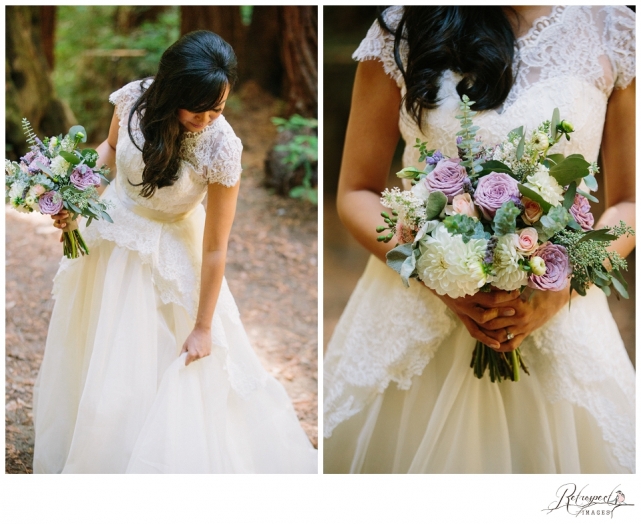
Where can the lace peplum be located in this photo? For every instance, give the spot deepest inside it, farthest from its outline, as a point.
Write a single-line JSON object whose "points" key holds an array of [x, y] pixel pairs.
{"points": [[571, 59]]}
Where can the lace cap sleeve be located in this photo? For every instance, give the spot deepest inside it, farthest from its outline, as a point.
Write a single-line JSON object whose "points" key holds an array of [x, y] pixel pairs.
{"points": [[216, 153], [620, 38], [124, 99], [378, 44]]}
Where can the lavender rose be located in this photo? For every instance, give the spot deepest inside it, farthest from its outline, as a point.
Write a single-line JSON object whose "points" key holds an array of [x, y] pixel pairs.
{"points": [[493, 191], [580, 210], [50, 203], [557, 268], [83, 177], [448, 177], [38, 159]]}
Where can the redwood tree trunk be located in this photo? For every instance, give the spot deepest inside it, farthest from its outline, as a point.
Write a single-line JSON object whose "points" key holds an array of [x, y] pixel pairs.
{"points": [[299, 55], [29, 89], [47, 27]]}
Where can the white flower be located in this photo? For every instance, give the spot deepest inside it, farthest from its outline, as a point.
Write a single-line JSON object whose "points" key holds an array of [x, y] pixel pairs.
{"points": [[449, 266], [545, 185], [59, 166], [539, 141], [410, 208], [17, 189], [507, 273], [421, 189]]}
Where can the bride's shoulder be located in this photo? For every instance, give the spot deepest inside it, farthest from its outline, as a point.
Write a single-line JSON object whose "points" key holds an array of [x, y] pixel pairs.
{"points": [[215, 152], [125, 97], [378, 44]]}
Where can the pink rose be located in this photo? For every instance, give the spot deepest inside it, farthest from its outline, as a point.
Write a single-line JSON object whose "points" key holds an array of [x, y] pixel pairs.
{"points": [[557, 268], [533, 211], [463, 205], [448, 177], [38, 190], [404, 234], [580, 210], [493, 191], [527, 240]]}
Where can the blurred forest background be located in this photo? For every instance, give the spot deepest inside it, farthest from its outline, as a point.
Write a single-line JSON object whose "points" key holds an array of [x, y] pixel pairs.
{"points": [[343, 258], [62, 63]]}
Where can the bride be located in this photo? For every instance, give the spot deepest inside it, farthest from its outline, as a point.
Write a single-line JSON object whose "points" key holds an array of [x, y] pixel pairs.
{"points": [[147, 367], [400, 396]]}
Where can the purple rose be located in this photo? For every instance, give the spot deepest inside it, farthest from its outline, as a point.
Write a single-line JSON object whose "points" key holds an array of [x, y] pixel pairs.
{"points": [[448, 177], [557, 268], [83, 177], [50, 203], [580, 210], [39, 159], [493, 191]]}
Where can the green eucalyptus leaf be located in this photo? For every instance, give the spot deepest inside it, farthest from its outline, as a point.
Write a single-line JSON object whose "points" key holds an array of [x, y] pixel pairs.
{"points": [[568, 200], [533, 195], [590, 197], [556, 118], [436, 202], [496, 167], [78, 129], [555, 158], [569, 170], [620, 287], [591, 182], [598, 235], [70, 157], [520, 148], [505, 219]]}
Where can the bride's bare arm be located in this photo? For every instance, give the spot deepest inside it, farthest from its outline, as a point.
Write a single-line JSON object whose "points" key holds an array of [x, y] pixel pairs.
{"points": [[617, 151], [370, 142], [221, 208]]}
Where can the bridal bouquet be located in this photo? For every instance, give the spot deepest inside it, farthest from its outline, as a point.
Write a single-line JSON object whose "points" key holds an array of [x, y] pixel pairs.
{"points": [[509, 216], [57, 175]]}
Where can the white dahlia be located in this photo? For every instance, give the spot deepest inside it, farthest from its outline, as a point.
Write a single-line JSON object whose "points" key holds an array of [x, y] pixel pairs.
{"points": [[507, 273], [59, 166], [449, 266], [545, 185]]}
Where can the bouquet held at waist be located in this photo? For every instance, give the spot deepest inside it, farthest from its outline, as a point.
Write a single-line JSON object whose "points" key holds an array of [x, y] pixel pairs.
{"points": [[55, 175], [506, 216]]}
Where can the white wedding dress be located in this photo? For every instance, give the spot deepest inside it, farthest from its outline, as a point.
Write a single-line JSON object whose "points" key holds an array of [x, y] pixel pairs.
{"points": [[400, 396], [112, 395]]}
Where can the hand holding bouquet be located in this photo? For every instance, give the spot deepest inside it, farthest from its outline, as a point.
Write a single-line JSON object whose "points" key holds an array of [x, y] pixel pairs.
{"points": [[57, 175], [507, 216]]}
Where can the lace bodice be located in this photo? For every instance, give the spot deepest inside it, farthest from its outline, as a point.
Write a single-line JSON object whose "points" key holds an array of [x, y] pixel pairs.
{"points": [[571, 59], [208, 156]]}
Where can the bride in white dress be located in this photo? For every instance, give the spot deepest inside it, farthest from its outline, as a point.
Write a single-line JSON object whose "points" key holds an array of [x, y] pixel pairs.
{"points": [[400, 396], [113, 395]]}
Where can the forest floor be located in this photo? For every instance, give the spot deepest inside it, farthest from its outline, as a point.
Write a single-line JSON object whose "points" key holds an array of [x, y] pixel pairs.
{"points": [[271, 271]]}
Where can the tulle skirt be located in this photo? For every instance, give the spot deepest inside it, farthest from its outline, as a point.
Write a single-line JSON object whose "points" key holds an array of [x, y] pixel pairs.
{"points": [[113, 395], [448, 421]]}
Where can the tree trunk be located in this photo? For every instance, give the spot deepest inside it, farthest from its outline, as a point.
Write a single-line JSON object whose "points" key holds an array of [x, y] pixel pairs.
{"points": [[47, 27], [29, 89], [130, 17], [264, 65], [299, 55], [225, 21]]}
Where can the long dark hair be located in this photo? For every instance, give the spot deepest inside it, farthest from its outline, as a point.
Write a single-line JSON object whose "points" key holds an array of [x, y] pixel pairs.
{"points": [[475, 42], [193, 74]]}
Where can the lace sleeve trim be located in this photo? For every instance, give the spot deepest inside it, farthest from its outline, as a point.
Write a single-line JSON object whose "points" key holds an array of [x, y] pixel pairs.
{"points": [[124, 99], [215, 153], [621, 38], [379, 44]]}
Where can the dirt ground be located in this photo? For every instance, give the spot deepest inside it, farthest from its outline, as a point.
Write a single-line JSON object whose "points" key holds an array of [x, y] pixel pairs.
{"points": [[271, 270]]}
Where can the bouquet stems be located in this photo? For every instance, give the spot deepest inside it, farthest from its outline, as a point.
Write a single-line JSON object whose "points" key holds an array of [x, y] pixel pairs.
{"points": [[74, 244], [502, 365]]}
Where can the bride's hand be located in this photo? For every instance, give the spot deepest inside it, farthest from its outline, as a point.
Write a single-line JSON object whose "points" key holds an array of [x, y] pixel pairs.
{"points": [[530, 314], [60, 220], [197, 345], [481, 308]]}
